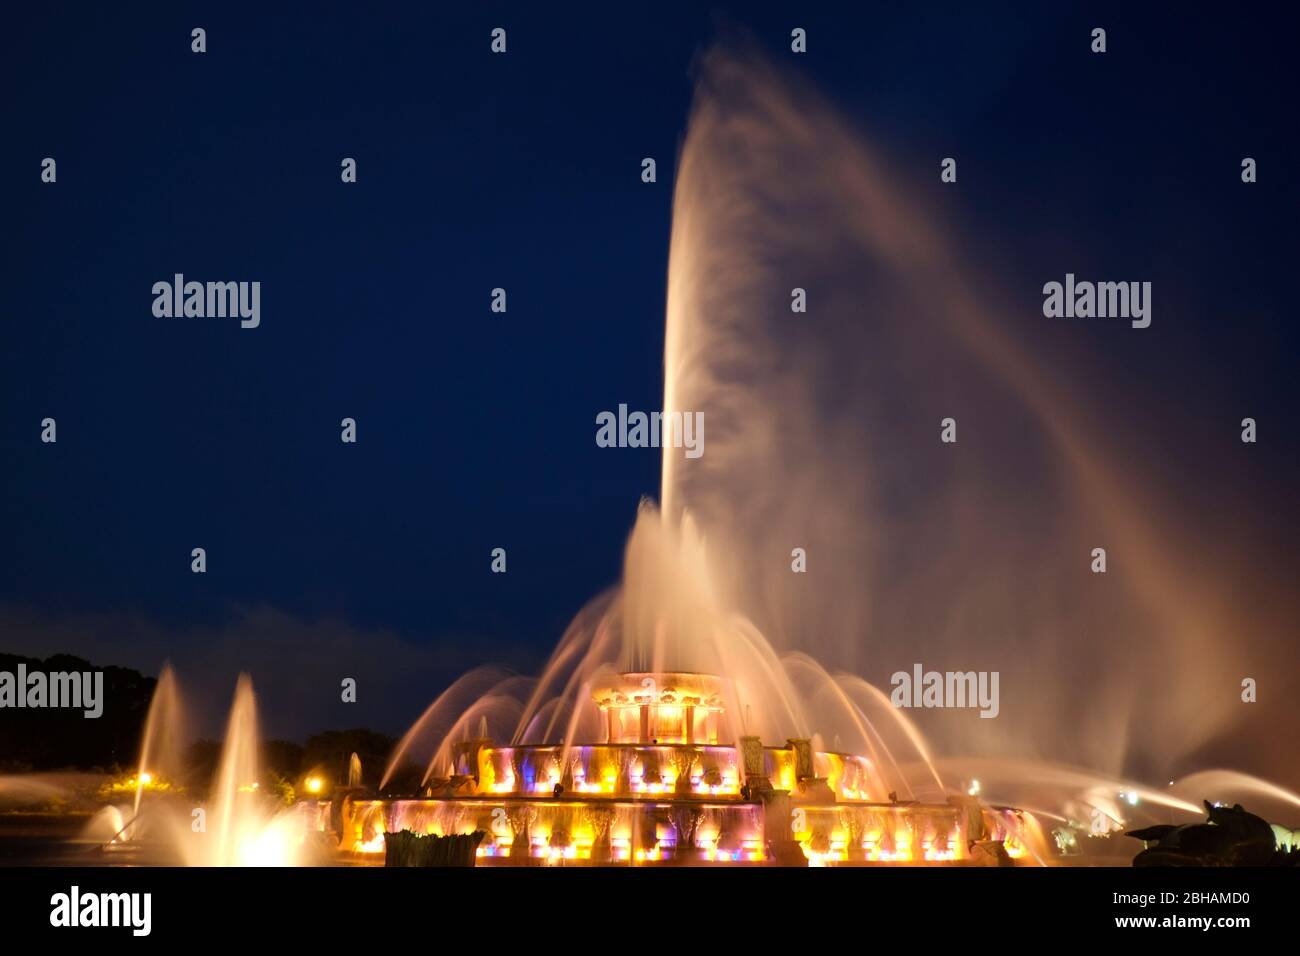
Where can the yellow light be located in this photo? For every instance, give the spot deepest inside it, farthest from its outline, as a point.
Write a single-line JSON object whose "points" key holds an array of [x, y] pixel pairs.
{"points": [[374, 845], [146, 778], [313, 784]]}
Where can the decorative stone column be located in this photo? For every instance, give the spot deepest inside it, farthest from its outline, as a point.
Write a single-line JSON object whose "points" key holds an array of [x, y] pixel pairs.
{"points": [[753, 765], [803, 759], [810, 787]]}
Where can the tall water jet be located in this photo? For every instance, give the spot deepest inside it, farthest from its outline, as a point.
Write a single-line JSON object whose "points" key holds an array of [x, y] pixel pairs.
{"points": [[824, 433]]}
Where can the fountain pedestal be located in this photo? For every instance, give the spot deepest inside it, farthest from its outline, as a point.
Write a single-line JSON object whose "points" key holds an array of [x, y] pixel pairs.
{"points": [[778, 830]]}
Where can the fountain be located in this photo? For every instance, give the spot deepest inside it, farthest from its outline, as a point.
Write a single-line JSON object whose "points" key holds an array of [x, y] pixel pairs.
{"points": [[683, 719], [666, 726], [632, 747], [236, 825], [666, 783]]}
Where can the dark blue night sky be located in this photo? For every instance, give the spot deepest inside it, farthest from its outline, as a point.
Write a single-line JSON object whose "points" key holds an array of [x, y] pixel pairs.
{"points": [[520, 171]]}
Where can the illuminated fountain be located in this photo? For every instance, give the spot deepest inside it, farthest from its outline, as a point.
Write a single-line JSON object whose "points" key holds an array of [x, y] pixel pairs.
{"points": [[632, 747], [665, 785], [667, 727], [237, 825]]}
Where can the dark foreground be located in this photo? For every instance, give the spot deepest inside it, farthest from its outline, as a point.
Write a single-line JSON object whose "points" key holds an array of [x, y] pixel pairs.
{"points": [[506, 907], [42, 861]]}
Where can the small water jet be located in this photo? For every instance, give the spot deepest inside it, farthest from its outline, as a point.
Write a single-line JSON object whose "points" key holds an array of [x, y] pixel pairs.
{"points": [[160, 748], [244, 826]]}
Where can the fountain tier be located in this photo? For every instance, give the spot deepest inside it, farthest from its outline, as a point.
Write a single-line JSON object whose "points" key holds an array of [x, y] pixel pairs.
{"points": [[663, 787]]}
